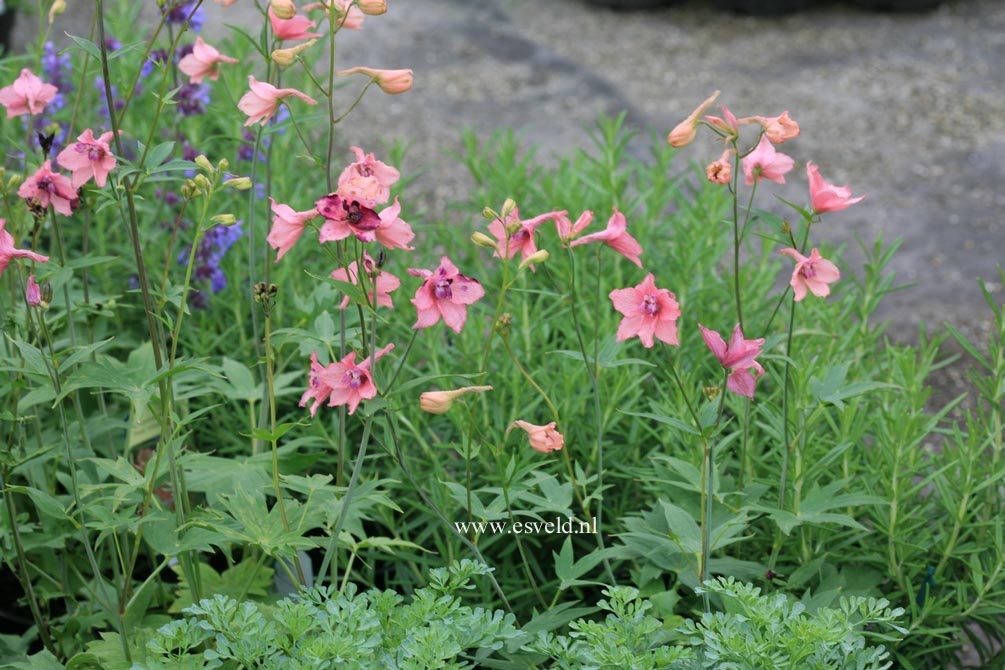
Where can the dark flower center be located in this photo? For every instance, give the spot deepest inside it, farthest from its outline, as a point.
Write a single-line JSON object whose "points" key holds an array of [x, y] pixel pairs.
{"points": [[353, 378], [441, 289], [650, 305]]}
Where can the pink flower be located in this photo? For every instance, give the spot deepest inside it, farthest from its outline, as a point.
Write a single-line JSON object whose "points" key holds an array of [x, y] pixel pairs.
{"points": [[516, 236], [88, 157], [766, 163], [8, 252], [567, 230], [287, 227], [445, 293], [262, 101], [813, 274], [391, 82], [778, 128], [344, 218], [347, 14], [344, 382], [616, 237], [721, 171], [32, 292], [50, 187], [368, 180], [203, 62], [439, 402], [737, 358], [27, 95], [729, 125], [393, 232], [295, 28], [685, 131], [828, 197], [649, 312], [545, 439], [384, 283]]}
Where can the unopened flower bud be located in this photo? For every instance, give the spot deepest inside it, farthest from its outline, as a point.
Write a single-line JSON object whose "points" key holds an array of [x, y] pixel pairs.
{"points": [[223, 219], [508, 207], [482, 240], [223, 165], [711, 392], [539, 257], [786, 227], [391, 82], [490, 213], [373, 7], [438, 402], [14, 181], [58, 7], [239, 183], [286, 57], [201, 182], [283, 9], [204, 163], [32, 292]]}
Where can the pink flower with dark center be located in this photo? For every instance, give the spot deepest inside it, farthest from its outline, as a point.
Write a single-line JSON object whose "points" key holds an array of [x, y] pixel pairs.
{"points": [[384, 282], [50, 187], [828, 197], [616, 236], [287, 226], [317, 389], [27, 95], [203, 62], [737, 358], [295, 28], [9, 252], [262, 101], [545, 439], [766, 163], [515, 236], [344, 218], [444, 293], [813, 274], [367, 181], [649, 312], [343, 382], [88, 157]]}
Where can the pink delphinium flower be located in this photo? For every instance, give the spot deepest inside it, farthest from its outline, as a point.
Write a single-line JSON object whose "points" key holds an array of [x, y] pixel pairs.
{"points": [[88, 157], [779, 128], [616, 236], [728, 124], [685, 131], [343, 382], [294, 28], [32, 292], [828, 197], [27, 95], [649, 312], [203, 62], [391, 82], [567, 230], [721, 171], [439, 402], [50, 187], [262, 101], [737, 358], [344, 218], [393, 232], [287, 226], [766, 163], [445, 293], [515, 236], [813, 274], [545, 439], [347, 14], [9, 252], [383, 283], [368, 180]]}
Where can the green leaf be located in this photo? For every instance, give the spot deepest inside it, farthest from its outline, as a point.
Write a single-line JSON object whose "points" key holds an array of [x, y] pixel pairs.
{"points": [[87, 45], [44, 502], [668, 420], [683, 526]]}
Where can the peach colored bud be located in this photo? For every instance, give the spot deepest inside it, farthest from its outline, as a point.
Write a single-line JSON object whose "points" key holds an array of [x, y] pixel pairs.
{"points": [[284, 9], [721, 171], [684, 133], [389, 81], [438, 402], [288, 56], [373, 7]]}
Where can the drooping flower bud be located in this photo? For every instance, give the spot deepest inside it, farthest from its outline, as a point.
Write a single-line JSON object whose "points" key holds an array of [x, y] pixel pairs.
{"points": [[373, 7], [32, 292], [283, 9]]}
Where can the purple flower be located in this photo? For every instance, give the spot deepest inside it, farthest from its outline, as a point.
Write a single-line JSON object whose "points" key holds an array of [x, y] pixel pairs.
{"points": [[206, 267], [192, 99], [179, 10]]}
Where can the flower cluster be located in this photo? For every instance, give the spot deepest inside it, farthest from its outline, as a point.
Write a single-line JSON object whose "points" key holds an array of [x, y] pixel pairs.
{"points": [[209, 254]]}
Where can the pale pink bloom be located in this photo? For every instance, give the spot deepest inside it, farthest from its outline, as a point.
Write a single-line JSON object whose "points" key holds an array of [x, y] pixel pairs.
{"points": [[444, 293], [721, 171], [343, 382], [262, 101], [728, 124], [616, 236], [287, 226], [27, 95], [649, 312], [9, 252], [393, 232], [685, 131], [32, 292], [203, 62], [347, 14], [545, 439], [567, 230], [88, 157], [295, 28], [439, 402], [737, 358], [828, 197], [813, 274], [766, 163], [515, 236], [384, 283], [368, 180], [50, 187], [778, 128], [389, 81], [344, 218]]}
